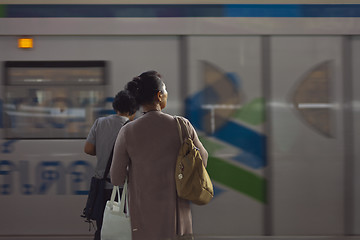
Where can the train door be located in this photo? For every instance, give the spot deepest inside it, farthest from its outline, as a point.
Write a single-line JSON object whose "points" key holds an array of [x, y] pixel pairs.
{"points": [[306, 143], [226, 104], [296, 184]]}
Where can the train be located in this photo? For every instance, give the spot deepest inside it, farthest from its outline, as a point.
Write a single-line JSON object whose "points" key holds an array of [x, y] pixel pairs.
{"points": [[271, 88]]}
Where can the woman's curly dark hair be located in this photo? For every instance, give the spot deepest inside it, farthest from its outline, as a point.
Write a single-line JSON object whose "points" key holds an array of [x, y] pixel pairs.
{"points": [[124, 102]]}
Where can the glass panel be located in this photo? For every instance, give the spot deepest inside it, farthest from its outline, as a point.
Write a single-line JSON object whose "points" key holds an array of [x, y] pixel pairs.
{"points": [[306, 143], [52, 101], [226, 106], [355, 136]]}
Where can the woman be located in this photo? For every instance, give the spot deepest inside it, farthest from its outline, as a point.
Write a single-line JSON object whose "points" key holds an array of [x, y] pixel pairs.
{"points": [[101, 139], [146, 152]]}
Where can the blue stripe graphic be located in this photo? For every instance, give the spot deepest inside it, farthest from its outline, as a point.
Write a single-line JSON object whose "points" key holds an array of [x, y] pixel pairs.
{"points": [[180, 10], [252, 143], [244, 138]]}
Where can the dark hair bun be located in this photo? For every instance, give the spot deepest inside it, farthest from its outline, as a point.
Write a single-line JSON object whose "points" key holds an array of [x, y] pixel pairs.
{"points": [[133, 86], [145, 86]]}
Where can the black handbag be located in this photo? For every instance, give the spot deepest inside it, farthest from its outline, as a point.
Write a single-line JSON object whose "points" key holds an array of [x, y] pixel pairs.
{"points": [[95, 202]]}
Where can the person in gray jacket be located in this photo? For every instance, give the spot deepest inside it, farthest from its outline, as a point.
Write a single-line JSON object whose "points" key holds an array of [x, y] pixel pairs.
{"points": [[102, 136], [146, 151]]}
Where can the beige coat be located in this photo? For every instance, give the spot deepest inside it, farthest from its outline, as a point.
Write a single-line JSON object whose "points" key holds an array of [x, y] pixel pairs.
{"points": [[149, 147]]}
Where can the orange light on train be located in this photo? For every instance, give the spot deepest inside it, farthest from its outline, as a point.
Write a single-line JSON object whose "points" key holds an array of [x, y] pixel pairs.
{"points": [[25, 43]]}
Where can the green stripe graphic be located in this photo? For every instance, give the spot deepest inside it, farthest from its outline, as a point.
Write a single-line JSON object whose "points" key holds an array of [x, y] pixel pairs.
{"points": [[237, 178], [252, 113], [210, 146]]}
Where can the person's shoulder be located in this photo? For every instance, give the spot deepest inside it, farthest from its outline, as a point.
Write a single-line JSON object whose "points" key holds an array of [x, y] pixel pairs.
{"points": [[167, 115], [105, 120], [102, 119], [186, 122], [170, 117], [127, 126], [184, 119], [129, 123]]}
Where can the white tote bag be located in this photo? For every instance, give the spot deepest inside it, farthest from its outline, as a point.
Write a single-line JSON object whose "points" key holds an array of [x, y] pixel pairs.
{"points": [[116, 223]]}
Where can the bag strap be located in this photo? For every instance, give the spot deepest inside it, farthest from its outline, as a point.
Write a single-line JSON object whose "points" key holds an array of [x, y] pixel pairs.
{"points": [[107, 169], [179, 129], [123, 199], [114, 192], [178, 119]]}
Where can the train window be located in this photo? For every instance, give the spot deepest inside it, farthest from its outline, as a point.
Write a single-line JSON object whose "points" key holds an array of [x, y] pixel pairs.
{"points": [[312, 99], [52, 100]]}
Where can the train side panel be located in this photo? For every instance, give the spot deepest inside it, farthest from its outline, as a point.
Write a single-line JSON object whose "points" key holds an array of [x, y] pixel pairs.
{"points": [[271, 110]]}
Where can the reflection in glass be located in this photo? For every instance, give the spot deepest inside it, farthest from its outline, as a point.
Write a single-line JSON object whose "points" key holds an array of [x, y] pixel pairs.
{"points": [[312, 99], [221, 96], [52, 102]]}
